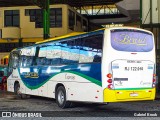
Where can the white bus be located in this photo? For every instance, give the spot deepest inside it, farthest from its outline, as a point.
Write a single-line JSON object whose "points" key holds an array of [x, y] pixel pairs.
{"points": [[107, 65]]}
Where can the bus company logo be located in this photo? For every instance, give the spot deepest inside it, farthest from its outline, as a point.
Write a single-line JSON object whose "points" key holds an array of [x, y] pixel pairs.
{"points": [[13, 76], [119, 83], [6, 114], [31, 75], [130, 39], [145, 83]]}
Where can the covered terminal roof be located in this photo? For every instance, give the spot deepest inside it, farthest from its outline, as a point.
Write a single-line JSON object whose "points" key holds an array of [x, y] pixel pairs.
{"points": [[73, 3], [120, 17], [8, 3]]}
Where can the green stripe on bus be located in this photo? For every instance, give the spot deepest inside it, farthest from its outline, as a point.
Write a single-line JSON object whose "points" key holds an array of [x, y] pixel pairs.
{"points": [[132, 88], [99, 83], [87, 77]]}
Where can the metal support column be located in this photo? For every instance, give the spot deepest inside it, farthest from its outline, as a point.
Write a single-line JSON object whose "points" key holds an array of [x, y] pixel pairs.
{"points": [[151, 23], [20, 42], [46, 19], [140, 12]]}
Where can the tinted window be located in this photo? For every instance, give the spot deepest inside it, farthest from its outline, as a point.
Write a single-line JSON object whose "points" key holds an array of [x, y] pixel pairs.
{"points": [[27, 55], [54, 53], [25, 61], [65, 52], [131, 40], [91, 49]]}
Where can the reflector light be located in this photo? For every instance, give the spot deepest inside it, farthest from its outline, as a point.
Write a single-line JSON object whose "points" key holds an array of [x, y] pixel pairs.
{"points": [[109, 80], [109, 75], [110, 86], [134, 53], [154, 80], [119, 92]]}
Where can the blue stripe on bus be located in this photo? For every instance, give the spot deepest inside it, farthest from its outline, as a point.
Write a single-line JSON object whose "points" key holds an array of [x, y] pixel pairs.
{"points": [[91, 70]]}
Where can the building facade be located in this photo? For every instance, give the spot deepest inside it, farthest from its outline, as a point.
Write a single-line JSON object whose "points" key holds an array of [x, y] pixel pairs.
{"points": [[23, 25]]}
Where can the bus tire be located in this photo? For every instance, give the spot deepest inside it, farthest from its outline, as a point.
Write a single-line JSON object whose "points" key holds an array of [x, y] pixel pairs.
{"points": [[61, 98], [18, 93], [17, 90]]}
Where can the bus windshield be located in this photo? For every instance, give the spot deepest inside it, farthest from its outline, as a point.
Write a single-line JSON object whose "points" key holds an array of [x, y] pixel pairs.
{"points": [[131, 40]]}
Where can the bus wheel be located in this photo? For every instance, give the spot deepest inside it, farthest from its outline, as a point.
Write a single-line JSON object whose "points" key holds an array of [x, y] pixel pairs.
{"points": [[17, 90], [61, 98], [18, 93]]}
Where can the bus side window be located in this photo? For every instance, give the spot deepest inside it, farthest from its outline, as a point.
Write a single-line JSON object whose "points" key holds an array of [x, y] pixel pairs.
{"points": [[26, 61], [29, 61], [14, 61], [97, 47], [47, 61], [65, 51], [74, 51], [56, 54], [41, 58], [21, 61], [91, 49], [39, 61]]}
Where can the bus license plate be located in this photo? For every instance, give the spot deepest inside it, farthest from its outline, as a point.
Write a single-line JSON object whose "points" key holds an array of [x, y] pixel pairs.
{"points": [[133, 68], [133, 94]]}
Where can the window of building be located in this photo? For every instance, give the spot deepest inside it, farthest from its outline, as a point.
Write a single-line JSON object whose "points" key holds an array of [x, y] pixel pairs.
{"points": [[78, 19], [36, 15], [85, 25], [71, 20], [11, 18], [55, 17]]}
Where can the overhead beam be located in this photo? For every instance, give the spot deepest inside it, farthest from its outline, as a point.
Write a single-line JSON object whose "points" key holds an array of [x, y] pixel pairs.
{"points": [[36, 2]]}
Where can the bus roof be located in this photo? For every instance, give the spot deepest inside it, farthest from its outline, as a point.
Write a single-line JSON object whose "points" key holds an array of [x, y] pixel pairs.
{"points": [[7, 56], [66, 36], [61, 37]]}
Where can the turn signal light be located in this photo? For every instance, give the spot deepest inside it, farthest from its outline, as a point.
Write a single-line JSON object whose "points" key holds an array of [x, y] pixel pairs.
{"points": [[154, 75]]}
